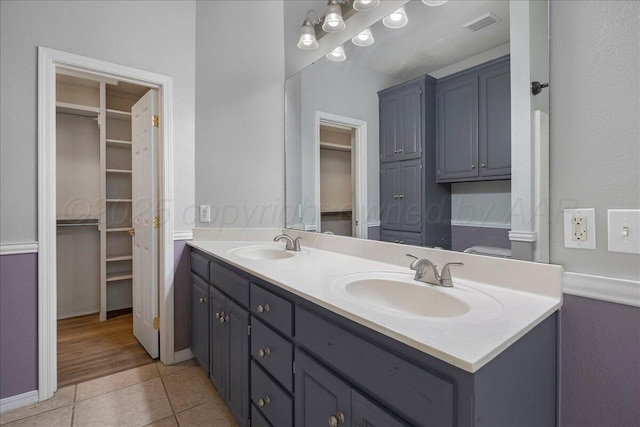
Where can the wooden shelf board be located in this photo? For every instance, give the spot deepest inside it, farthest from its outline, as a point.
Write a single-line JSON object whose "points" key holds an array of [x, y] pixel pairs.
{"points": [[118, 115], [123, 275], [118, 229], [120, 258], [119, 200], [335, 211], [335, 147], [77, 109], [118, 143], [118, 171]]}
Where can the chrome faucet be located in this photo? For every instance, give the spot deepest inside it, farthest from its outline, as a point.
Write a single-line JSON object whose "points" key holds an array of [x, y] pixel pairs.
{"points": [[427, 272], [292, 245]]}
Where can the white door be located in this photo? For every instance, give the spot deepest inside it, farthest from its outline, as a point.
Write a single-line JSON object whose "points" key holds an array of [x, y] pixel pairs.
{"points": [[145, 209]]}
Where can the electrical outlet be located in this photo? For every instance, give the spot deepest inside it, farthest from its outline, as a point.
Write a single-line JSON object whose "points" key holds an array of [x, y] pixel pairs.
{"points": [[205, 213], [580, 228]]}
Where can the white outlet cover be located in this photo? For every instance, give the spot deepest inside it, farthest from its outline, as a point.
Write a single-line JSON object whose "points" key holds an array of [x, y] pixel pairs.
{"points": [[590, 215], [205, 213], [618, 219]]}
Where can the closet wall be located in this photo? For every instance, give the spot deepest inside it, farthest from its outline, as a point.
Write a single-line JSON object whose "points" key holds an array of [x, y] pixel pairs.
{"points": [[336, 193]]}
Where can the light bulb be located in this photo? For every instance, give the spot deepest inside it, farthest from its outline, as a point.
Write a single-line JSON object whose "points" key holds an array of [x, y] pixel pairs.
{"points": [[434, 2], [337, 54], [307, 36], [397, 19], [364, 5], [333, 21], [365, 38]]}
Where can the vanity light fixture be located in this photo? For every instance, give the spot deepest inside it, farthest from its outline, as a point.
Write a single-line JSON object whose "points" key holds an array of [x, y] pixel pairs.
{"points": [[434, 2], [397, 19], [337, 54], [364, 5], [308, 39], [365, 38], [333, 21]]}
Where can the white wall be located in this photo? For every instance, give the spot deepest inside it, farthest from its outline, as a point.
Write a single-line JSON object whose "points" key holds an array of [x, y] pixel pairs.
{"points": [[240, 112], [595, 131], [156, 36]]}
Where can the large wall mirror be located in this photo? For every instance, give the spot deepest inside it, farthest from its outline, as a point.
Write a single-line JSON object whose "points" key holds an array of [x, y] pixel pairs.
{"points": [[411, 139]]}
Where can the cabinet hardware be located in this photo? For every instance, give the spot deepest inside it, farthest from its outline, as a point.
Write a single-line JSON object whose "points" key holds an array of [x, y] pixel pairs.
{"points": [[156, 221], [395, 196], [156, 323], [484, 165], [336, 419], [264, 401], [155, 121], [473, 166], [263, 308], [202, 300], [265, 352], [400, 151], [400, 196]]}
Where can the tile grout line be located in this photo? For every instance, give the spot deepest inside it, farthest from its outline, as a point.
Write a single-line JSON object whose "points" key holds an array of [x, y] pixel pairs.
{"points": [[166, 393], [73, 405]]}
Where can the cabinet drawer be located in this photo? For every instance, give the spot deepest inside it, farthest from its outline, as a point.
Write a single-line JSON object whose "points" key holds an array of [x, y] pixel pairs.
{"points": [[414, 394], [200, 265], [274, 353], [257, 419], [272, 309], [277, 404], [235, 286]]}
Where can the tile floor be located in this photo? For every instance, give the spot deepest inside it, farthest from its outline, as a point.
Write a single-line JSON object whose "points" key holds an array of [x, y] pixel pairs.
{"points": [[151, 395]]}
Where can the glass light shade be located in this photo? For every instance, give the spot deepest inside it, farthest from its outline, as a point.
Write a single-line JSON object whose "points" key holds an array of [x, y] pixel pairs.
{"points": [[397, 19], [364, 5], [307, 37], [337, 54], [333, 21], [434, 2], [365, 38]]}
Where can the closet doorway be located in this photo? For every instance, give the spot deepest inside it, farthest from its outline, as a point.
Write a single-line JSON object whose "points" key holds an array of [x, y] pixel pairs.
{"points": [[106, 206], [341, 192], [104, 166]]}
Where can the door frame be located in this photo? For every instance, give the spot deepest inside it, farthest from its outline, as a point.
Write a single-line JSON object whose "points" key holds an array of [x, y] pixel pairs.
{"points": [[48, 62], [359, 161]]}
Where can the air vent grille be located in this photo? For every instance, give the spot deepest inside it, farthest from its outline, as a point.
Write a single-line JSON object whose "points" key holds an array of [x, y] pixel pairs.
{"points": [[484, 21]]}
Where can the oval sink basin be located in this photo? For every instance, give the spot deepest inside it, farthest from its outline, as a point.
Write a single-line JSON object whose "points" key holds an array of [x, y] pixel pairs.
{"points": [[401, 294], [264, 252]]}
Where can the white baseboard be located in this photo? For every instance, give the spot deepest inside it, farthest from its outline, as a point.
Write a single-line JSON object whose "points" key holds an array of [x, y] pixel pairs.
{"points": [[602, 288], [481, 224], [19, 401], [119, 304], [182, 355], [183, 235], [18, 248], [373, 224], [79, 311]]}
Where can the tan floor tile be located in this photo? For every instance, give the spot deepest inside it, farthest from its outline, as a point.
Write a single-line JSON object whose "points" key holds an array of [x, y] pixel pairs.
{"points": [[60, 417], [213, 413], [117, 381], [170, 369], [188, 388], [62, 397], [167, 422], [136, 405]]}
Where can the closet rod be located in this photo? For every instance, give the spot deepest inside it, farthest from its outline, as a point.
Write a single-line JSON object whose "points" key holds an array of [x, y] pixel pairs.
{"points": [[78, 116], [81, 223]]}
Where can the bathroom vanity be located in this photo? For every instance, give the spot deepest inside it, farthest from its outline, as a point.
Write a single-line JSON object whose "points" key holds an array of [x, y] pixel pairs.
{"points": [[315, 338]]}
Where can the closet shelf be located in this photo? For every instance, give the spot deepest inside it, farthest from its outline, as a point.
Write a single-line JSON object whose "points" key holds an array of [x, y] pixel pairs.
{"points": [[335, 211], [118, 171], [120, 258], [122, 275], [119, 200], [334, 147], [118, 114], [77, 109], [119, 229], [118, 143]]}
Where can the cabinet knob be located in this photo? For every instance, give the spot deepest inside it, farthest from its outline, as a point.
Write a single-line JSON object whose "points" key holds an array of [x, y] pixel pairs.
{"points": [[400, 196], [265, 352], [202, 300], [395, 196], [217, 315], [221, 317], [336, 419], [264, 401], [484, 165], [263, 308], [473, 166], [400, 151]]}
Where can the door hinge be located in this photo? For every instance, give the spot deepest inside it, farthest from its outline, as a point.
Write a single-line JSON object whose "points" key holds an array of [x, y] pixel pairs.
{"points": [[156, 323], [156, 222], [356, 222], [249, 330], [155, 121]]}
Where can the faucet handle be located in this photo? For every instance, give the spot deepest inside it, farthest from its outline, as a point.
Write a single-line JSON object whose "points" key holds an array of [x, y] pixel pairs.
{"points": [[296, 244], [445, 276]]}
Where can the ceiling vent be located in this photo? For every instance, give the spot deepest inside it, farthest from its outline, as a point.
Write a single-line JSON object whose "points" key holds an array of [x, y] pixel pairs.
{"points": [[485, 21]]}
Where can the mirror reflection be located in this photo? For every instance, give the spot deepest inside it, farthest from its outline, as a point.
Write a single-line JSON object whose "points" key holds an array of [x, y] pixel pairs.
{"points": [[407, 138]]}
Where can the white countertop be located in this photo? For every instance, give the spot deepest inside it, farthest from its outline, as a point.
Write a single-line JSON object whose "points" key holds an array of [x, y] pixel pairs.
{"points": [[468, 341]]}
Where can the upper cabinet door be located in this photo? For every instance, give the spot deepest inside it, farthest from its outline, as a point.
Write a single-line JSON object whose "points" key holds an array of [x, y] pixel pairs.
{"points": [[389, 110], [495, 122], [457, 129], [409, 139]]}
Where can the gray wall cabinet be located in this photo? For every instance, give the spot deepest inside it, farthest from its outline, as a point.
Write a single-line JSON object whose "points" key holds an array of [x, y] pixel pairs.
{"points": [[328, 369], [474, 123], [401, 121]]}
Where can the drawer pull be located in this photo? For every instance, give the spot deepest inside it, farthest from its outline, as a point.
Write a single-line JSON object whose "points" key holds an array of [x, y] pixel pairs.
{"points": [[265, 352], [202, 300], [264, 401], [263, 308], [336, 419]]}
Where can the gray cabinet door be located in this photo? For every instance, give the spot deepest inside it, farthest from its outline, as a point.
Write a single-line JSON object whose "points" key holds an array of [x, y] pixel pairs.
{"points": [[237, 325], [390, 203], [200, 321], [410, 195], [388, 127], [218, 341], [409, 139], [494, 137], [319, 395], [457, 129], [368, 414]]}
